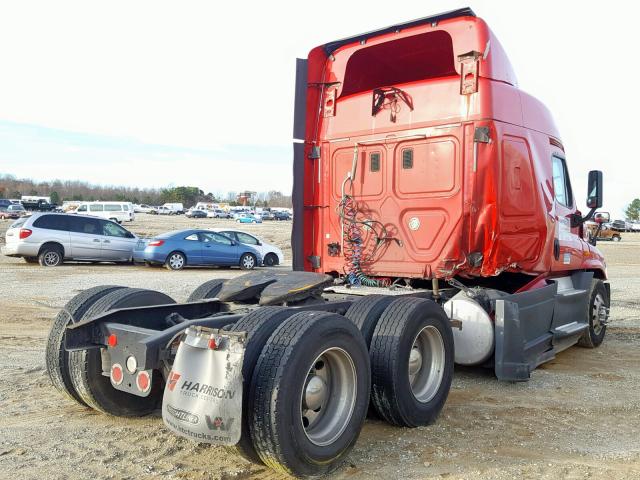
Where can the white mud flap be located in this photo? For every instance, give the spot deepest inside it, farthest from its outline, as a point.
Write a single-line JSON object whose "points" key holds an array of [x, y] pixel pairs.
{"points": [[203, 394]]}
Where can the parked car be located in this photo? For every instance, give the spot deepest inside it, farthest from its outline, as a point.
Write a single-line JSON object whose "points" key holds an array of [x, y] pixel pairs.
{"points": [[604, 233], [271, 255], [196, 214], [218, 214], [281, 216], [51, 238], [12, 211], [4, 202], [619, 225], [115, 211], [248, 218], [161, 211], [181, 248], [266, 215], [142, 208]]}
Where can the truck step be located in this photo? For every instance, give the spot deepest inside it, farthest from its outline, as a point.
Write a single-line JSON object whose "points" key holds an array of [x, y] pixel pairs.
{"points": [[569, 329]]}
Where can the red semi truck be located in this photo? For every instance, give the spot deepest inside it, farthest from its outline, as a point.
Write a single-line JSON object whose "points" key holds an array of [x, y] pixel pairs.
{"points": [[434, 224]]}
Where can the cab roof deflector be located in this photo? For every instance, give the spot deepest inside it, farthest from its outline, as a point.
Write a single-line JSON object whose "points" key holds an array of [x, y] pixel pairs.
{"points": [[331, 47]]}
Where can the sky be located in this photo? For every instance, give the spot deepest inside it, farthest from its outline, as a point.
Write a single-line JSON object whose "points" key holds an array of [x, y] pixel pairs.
{"points": [[154, 93]]}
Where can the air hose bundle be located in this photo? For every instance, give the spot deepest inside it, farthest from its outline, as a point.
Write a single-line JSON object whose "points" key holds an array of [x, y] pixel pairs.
{"points": [[353, 237]]}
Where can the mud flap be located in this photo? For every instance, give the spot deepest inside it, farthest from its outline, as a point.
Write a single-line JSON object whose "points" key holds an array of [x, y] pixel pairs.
{"points": [[203, 393]]}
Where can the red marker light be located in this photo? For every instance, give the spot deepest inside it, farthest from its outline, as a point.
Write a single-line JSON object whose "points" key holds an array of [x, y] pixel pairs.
{"points": [[116, 374], [155, 243], [143, 382], [24, 233], [112, 341], [212, 344]]}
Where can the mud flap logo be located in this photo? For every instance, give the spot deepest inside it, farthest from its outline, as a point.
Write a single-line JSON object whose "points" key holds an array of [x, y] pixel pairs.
{"points": [[173, 380], [218, 424], [183, 415]]}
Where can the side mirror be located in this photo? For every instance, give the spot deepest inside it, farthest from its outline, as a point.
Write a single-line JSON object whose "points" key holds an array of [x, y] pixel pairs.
{"points": [[602, 217], [594, 189]]}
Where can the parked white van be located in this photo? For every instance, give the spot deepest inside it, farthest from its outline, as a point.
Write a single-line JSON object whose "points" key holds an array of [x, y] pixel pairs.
{"points": [[115, 211], [176, 208]]}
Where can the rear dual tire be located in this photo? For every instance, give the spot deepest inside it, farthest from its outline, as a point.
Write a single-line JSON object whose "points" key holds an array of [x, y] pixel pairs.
{"points": [[86, 366], [412, 357], [310, 392], [56, 357]]}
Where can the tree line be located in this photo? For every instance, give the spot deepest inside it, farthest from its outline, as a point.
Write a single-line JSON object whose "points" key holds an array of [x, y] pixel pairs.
{"points": [[75, 190]]}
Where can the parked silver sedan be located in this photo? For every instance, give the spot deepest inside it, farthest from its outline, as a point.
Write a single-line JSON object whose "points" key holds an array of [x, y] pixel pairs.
{"points": [[52, 238]]}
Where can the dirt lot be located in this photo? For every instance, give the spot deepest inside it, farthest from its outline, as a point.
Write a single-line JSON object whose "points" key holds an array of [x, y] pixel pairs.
{"points": [[578, 417]]}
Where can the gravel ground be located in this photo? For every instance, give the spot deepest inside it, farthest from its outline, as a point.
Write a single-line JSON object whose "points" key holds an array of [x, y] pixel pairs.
{"points": [[578, 417]]}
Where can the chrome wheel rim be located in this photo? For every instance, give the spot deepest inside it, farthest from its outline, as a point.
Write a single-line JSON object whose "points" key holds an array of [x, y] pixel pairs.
{"points": [[328, 396], [598, 314], [248, 261], [51, 259], [176, 261], [426, 364]]}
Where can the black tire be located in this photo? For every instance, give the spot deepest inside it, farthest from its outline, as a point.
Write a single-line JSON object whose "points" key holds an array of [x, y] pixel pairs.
{"points": [[594, 336], [51, 255], [31, 259], [248, 261], [279, 378], [94, 388], [270, 260], [391, 347], [616, 238], [366, 311], [259, 325], [175, 261], [56, 357], [209, 289]]}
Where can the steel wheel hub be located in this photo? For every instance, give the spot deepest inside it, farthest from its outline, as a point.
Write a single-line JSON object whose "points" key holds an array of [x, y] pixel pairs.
{"points": [[328, 396], [598, 314], [426, 364]]}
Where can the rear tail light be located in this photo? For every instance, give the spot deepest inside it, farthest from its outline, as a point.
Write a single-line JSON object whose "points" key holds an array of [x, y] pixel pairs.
{"points": [[25, 232], [116, 374], [155, 243], [143, 382]]}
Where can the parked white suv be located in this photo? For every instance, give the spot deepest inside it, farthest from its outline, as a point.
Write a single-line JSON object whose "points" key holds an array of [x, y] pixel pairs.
{"points": [[114, 211], [271, 255], [51, 238]]}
